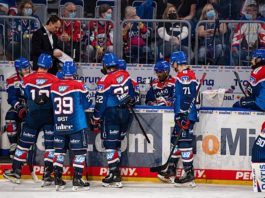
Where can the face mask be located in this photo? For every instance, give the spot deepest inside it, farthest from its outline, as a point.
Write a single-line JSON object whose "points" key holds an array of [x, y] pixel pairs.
{"points": [[72, 14], [27, 11], [248, 16], [210, 14], [172, 15], [108, 16]]}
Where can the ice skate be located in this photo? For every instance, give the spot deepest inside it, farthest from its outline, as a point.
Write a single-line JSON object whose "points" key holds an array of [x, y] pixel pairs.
{"points": [[113, 179], [59, 183], [47, 180], [13, 176], [78, 184], [186, 180], [167, 176]]}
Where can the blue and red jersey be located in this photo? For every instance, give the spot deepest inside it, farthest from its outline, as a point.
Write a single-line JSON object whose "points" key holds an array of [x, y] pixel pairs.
{"points": [[185, 92], [257, 81], [113, 90], [70, 98]]}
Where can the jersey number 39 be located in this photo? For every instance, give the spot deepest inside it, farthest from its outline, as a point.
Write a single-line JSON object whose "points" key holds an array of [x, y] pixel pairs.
{"points": [[63, 105]]}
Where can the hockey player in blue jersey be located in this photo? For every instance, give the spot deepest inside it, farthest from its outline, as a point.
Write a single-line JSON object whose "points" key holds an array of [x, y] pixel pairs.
{"points": [[36, 87], [123, 66], [161, 92], [185, 92], [256, 88], [16, 113], [258, 161], [114, 93], [70, 99]]}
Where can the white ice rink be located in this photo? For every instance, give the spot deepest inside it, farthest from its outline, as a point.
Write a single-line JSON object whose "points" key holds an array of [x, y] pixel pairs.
{"points": [[28, 189]]}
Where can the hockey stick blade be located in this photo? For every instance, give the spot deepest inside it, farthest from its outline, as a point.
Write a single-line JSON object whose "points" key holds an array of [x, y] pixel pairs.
{"points": [[239, 83], [164, 166]]}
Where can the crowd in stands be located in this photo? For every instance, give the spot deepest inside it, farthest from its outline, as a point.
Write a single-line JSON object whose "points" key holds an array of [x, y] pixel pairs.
{"points": [[192, 26]]}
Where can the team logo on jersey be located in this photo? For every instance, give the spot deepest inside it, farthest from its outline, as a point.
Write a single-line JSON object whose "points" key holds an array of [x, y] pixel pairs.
{"points": [[62, 88], [252, 79], [185, 79], [100, 87], [85, 87], [120, 79], [41, 81]]}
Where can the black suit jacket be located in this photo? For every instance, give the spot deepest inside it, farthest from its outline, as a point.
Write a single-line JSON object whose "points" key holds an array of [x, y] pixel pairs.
{"points": [[41, 44]]}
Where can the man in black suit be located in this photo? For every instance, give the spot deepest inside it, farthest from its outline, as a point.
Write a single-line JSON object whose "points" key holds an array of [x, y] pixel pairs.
{"points": [[44, 40]]}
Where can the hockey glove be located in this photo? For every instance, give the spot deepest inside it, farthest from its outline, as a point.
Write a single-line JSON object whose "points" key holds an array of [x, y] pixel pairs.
{"points": [[182, 121], [42, 99], [246, 102], [21, 111], [95, 125]]}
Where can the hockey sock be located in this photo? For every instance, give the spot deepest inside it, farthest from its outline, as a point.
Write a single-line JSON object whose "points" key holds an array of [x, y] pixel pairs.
{"points": [[187, 158], [113, 159], [79, 164], [20, 157]]}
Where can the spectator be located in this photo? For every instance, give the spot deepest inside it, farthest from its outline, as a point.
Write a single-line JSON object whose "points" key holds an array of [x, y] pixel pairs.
{"points": [[21, 30], [186, 8], [44, 40], [212, 47], [8, 7], [70, 33], [247, 37], [134, 36], [100, 34], [173, 36]]}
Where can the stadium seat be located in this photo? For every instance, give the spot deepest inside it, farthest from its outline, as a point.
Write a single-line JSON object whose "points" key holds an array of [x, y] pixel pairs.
{"points": [[137, 3], [79, 6], [41, 9]]}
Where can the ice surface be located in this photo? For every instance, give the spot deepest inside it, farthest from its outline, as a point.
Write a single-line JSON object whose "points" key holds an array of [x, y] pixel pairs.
{"points": [[28, 189]]}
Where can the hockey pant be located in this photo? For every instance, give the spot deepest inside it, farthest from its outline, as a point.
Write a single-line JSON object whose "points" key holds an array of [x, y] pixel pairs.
{"points": [[78, 145]]}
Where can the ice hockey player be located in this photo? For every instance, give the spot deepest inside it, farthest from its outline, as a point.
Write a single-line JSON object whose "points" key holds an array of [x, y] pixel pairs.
{"points": [[114, 93], [256, 88], [258, 161], [161, 92], [36, 87], [70, 98], [185, 91], [17, 112], [123, 66]]}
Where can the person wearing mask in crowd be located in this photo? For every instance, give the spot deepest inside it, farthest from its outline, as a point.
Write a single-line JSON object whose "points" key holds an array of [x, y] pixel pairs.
{"points": [[100, 34], [21, 30], [134, 37], [173, 36], [211, 47], [70, 32], [247, 37]]}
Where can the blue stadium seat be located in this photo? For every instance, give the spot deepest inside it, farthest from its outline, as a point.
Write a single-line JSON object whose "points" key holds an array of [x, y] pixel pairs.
{"points": [[138, 3], [79, 7], [41, 9]]}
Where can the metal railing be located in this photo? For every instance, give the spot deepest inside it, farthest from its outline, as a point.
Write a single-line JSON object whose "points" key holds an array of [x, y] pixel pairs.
{"points": [[233, 47]]}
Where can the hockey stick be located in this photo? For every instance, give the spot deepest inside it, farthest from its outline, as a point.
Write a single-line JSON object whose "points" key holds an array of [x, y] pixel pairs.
{"points": [[239, 83], [141, 126], [31, 159], [164, 166]]}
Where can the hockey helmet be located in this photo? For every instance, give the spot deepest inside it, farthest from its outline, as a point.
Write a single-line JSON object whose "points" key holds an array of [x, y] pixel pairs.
{"points": [[179, 57], [122, 64], [45, 61], [22, 63], [162, 66], [259, 53], [69, 68], [59, 74], [110, 60]]}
